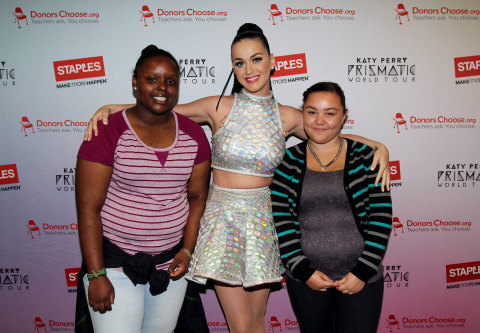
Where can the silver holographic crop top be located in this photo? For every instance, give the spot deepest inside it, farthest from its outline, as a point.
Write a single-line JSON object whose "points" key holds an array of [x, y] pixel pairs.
{"points": [[251, 141]]}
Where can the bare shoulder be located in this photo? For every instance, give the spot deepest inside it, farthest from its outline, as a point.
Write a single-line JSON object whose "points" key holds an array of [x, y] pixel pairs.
{"points": [[200, 110]]}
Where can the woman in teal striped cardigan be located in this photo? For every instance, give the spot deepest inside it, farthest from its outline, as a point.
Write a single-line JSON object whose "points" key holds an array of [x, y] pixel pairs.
{"points": [[333, 223]]}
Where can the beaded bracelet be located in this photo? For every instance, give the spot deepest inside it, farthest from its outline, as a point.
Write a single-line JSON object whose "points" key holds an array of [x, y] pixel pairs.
{"points": [[93, 275], [189, 254]]}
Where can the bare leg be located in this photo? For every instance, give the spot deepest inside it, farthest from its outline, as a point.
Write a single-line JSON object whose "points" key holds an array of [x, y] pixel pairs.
{"points": [[244, 308]]}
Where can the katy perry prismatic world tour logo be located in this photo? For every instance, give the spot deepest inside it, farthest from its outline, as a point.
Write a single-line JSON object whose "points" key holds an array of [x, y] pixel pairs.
{"points": [[7, 74], [381, 70]]}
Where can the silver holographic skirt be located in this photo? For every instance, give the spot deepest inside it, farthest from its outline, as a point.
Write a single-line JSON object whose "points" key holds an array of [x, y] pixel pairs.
{"points": [[237, 243]]}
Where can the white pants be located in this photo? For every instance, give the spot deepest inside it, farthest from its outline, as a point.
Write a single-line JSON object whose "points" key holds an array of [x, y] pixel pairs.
{"points": [[135, 310]]}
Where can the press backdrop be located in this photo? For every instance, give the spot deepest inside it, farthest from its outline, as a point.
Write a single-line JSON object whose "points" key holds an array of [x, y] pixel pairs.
{"points": [[411, 74]]}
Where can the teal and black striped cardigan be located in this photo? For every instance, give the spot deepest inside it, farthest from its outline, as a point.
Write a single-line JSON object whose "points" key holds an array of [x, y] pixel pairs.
{"points": [[372, 209]]}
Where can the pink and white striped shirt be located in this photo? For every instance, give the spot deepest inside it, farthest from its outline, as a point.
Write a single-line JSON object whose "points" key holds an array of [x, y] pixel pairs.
{"points": [[146, 207]]}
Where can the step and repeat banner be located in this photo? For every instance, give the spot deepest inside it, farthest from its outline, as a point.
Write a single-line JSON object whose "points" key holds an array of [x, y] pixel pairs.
{"points": [[411, 74]]}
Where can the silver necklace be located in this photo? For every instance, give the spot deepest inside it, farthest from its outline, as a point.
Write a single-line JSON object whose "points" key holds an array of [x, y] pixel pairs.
{"points": [[325, 166]]}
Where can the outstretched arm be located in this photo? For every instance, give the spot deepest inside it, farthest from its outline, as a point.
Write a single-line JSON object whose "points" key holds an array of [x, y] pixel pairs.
{"points": [[292, 124], [200, 111]]}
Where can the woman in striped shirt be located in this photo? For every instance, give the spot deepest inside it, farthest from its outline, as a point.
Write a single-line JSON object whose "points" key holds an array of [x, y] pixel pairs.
{"points": [[332, 222], [141, 188]]}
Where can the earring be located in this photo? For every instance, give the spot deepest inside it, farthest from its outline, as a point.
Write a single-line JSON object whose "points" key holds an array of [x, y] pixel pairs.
{"points": [[134, 88]]}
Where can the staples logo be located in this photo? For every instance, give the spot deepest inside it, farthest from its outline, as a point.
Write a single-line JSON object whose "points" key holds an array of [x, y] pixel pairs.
{"points": [[8, 174], [75, 69], [463, 272], [394, 169], [467, 66], [293, 64], [71, 275]]}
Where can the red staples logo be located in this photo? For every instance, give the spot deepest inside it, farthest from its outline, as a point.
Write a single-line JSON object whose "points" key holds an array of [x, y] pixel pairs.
{"points": [[8, 174], [463, 272], [293, 64], [75, 69], [467, 66], [394, 169], [71, 275]]}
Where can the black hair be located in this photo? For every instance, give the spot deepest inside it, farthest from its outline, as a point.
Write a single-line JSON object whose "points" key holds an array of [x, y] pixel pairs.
{"points": [[153, 51], [246, 31], [326, 87]]}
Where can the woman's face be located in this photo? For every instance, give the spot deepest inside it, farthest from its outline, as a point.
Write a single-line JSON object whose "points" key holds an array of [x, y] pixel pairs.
{"points": [[323, 116], [157, 84], [252, 65]]}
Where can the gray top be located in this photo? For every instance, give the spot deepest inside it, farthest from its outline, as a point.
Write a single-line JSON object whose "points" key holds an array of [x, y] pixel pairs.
{"points": [[330, 237]]}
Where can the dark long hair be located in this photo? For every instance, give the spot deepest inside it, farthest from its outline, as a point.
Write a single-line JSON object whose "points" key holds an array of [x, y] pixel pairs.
{"points": [[246, 31]]}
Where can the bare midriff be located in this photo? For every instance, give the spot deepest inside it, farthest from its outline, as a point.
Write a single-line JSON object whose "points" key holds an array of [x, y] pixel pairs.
{"points": [[228, 179]]}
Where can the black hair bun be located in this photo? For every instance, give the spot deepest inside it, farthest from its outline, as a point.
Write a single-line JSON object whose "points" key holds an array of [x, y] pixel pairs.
{"points": [[249, 27], [149, 48]]}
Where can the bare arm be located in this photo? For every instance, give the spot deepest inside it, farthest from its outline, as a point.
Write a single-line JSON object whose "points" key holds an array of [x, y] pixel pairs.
{"points": [[200, 111], [197, 191], [91, 186], [292, 124], [292, 121]]}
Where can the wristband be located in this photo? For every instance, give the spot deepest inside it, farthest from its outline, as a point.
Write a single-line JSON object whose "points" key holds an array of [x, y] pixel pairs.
{"points": [[94, 275], [189, 254]]}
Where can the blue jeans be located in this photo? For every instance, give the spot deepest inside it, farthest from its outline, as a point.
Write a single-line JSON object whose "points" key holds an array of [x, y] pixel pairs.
{"points": [[332, 311], [135, 310]]}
